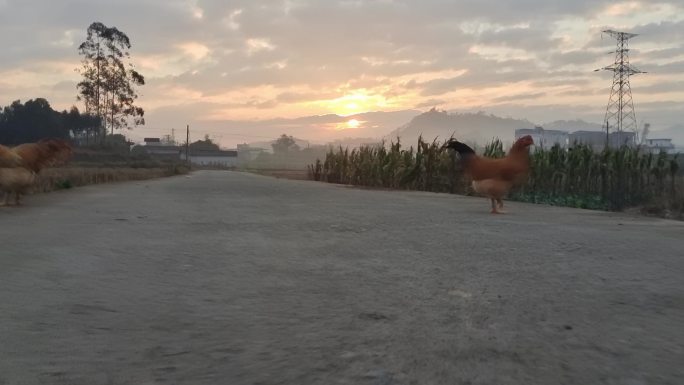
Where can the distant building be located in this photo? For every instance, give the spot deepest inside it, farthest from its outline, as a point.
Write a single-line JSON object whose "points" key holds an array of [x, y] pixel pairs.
{"points": [[152, 141], [597, 139], [155, 147], [624, 138], [594, 139], [544, 139], [212, 158], [657, 145]]}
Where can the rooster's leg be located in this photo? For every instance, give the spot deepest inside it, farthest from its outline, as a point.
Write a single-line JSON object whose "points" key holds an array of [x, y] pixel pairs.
{"points": [[497, 205], [5, 199], [17, 198], [494, 209]]}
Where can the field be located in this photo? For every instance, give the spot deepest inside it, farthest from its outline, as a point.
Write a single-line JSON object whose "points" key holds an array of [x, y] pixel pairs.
{"points": [[614, 179]]}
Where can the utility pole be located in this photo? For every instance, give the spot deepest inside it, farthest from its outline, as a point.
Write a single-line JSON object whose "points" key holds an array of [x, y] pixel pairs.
{"points": [[620, 110], [187, 145]]}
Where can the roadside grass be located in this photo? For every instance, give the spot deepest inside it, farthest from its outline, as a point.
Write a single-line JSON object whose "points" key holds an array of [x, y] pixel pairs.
{"points": [[60, 178]]}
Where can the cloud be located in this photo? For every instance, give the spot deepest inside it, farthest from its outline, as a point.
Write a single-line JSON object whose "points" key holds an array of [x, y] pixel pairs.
{"points": [[257, 45], [519, 97], [242, 60], [197, 51], [676, 86]]}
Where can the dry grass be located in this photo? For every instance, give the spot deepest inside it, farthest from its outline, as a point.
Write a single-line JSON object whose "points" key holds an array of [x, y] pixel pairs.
{"points": [[67, 177]]}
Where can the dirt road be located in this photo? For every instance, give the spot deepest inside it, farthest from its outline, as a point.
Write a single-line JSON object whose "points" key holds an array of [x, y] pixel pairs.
{"points": [[231, 278]]}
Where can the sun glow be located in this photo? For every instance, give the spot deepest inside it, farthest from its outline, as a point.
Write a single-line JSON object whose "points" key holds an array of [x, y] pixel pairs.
{"points": [[353, 123], [354, 103], [347, 125]]}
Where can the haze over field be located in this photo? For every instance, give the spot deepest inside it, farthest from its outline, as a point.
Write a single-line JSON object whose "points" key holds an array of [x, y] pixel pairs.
{"points": [[245, 71]]}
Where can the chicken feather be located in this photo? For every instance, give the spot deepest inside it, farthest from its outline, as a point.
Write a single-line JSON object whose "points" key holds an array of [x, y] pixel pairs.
{"points": [[491, 177], [20, 165], [9, 158]]}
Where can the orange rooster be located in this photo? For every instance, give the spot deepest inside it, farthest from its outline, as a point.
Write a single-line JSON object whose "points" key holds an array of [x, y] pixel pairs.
{"points": [[20, 165], [494, 178], [8, 158]]}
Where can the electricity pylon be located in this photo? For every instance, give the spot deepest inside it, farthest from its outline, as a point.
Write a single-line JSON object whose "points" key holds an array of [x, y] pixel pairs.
{"points": [[620, 114]]}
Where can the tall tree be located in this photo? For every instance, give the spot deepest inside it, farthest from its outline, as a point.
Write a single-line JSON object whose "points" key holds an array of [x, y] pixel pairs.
{"points": [[204, 145], [109, 80], [83, 126], [284, 145], [35, 120]]}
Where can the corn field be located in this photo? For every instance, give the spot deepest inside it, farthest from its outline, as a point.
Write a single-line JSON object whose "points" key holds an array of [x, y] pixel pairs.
{"points": [[612, 179], [425, 167], [579, 177]]}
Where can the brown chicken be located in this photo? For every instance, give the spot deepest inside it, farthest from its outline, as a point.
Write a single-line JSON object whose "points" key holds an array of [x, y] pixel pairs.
{"points": [[44, 153], [15, 180], [20, 165], [491, 177], [9, 158]]}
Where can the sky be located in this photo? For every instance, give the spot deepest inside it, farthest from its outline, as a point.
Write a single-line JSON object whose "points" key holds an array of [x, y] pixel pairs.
{"points": [[249, 70]]}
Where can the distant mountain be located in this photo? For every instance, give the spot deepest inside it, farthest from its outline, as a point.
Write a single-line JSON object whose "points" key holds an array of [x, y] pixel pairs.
{"points": [[374, 117], [572, 125], [319, 129], [472, 127], [476, 128], [303, 143], [381, 119]]}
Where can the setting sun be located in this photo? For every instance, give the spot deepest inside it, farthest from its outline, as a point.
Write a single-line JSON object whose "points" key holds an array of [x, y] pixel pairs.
{"points": [[353, 123], [349, 124]]}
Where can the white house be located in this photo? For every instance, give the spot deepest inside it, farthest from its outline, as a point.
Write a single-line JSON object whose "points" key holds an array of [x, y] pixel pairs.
{"points": [[157, 148], [221, 158], [657, 145], [597, 139]]}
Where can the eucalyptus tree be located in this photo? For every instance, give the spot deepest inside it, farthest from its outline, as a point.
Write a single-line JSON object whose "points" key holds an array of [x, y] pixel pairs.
{"points": [[108, 88]]}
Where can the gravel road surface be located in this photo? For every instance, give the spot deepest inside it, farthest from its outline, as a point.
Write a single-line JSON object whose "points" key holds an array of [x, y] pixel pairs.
{"points": [[233, 278]]}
